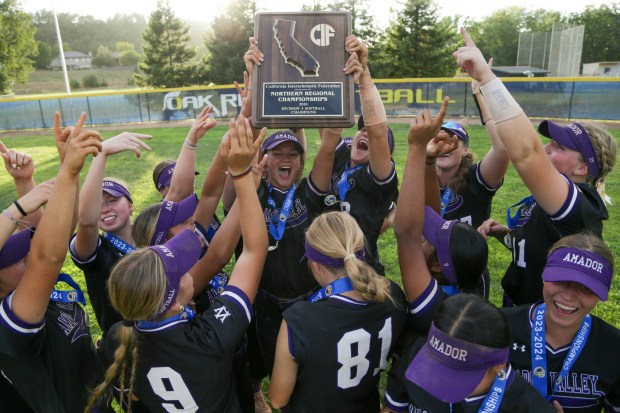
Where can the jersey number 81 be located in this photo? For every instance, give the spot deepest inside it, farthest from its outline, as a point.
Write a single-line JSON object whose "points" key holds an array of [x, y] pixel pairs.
{"points": [[355, 367]]}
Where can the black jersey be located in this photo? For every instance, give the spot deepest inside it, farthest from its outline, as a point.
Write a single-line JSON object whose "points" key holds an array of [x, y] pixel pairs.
{"points": [[285, 274], [402, 395], [593, 383], [473, 204], [537, 231], [341, 345], [97, 269], [187, 364], [368, 199], [47, 367], [422, 310]]}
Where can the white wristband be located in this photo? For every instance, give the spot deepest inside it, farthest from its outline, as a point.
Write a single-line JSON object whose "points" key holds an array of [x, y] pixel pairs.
{"points": [[499, 101]]}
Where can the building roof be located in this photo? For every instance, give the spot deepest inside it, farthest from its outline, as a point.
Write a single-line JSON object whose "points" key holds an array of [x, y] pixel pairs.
{"points": [[518, 70], [74, 54]]}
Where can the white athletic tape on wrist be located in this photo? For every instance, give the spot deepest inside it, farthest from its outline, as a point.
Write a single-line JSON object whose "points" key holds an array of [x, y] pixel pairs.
{"points": [[372, 106], [499, 101]]}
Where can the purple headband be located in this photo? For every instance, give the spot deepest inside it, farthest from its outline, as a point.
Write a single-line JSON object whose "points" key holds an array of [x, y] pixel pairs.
{"points": [[115, 189], [450, 368], [437, 231], [165, 176], [583, 267], [331, 262], [178, 255], [171, 214], [575, 137], [15, 248]]}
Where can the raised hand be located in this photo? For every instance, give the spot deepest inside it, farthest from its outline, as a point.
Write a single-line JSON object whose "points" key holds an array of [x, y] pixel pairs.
{"points": [[253, 56], [469, 58], [440, 145], [353, 66], [201, 125], [240, 147], [18, 164], [79, 145], [475, 85], [243, 91], [355, 45], [126, 141], [38, 196], [425, 127], [61, 136]]}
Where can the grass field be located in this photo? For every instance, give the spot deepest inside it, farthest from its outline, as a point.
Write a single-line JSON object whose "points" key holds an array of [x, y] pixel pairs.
{"points": [[52, 81], [167, 141]]}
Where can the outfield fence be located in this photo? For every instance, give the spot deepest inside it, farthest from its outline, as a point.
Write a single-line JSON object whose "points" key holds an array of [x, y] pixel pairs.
{"points": [[558, 98]]}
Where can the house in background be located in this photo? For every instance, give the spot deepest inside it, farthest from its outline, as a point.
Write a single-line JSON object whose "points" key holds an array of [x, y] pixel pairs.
{"points": [[601, 69], [519, 71], [74, 61]]}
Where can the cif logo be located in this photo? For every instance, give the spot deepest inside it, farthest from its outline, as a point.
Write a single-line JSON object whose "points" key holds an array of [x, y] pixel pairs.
{"points": [[539, 372], [325, 32]]}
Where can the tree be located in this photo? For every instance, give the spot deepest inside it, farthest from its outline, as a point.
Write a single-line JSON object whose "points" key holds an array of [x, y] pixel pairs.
{"points": [[168, 59], [228, 41], [104, 57], [129, 58], [17, 45], [124, 46], [417, 44], [44, 58], [601, 39]]}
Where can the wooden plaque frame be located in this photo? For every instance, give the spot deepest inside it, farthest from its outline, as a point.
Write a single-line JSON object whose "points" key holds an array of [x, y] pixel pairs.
{"points": [[301, 83]]}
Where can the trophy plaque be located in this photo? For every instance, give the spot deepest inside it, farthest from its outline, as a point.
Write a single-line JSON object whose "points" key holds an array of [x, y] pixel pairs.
{"points": [[301, 83]]}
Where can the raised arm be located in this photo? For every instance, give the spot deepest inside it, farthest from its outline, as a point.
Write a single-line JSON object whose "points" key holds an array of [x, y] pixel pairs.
{"points": [[182, 183], [21, 168], [49, 244], [495, 163], [520, 140], [239, 152], [375, 119], [89, 210], [409, 219]]}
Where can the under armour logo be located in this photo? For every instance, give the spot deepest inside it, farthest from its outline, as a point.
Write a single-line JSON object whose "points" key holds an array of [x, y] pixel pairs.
{"points": [[222, 313], [515, 347]]}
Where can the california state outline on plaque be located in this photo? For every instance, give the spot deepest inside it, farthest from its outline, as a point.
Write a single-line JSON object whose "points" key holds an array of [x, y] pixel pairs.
{"points": [[294, 53]]}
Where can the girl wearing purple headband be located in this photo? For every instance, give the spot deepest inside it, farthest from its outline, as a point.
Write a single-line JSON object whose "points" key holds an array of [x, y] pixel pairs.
{"points": [[335, 344], [561, 175], [47, 358], [163, 353], [569, 355], [104, 204], [462, 366], [452, 255]]}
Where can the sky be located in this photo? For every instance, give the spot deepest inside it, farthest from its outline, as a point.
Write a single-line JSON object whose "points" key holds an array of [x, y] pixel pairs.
{"points": [[204, 9]]}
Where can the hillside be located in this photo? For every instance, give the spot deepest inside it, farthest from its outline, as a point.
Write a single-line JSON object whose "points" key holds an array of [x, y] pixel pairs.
{"points": [[51, 81]]}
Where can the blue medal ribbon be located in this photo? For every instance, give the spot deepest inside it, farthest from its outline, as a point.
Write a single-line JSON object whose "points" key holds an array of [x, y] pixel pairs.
{"points": [[339, 286], [119, 244], [343, 183], [539, 353], [445, 199], [68, 296], [513, 220], [278, 231], [494, 398], [187, 313], [450, 290], [219, 282]]}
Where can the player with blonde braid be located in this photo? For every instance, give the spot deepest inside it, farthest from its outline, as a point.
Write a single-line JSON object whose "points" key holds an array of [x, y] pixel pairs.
{"points": [[335, 344]]}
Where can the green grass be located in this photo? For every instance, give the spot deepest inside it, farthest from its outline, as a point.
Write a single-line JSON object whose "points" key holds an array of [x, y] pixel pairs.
{"points": [[52, 81], [167, 141]]}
